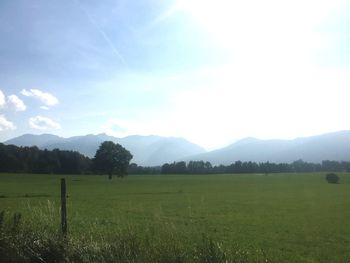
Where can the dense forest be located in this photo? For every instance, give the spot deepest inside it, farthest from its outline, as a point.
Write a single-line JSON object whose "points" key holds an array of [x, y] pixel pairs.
{"points": [[34, 160]]}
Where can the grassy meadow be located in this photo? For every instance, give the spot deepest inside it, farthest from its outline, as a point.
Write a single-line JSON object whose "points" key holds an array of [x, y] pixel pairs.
{"points": [[273, 218]]}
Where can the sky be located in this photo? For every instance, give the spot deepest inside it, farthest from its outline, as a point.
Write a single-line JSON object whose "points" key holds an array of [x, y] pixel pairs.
{"points": [[212, 72]]}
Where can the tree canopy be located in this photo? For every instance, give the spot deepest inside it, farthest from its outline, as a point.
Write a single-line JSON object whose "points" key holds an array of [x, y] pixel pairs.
{"points": [[33, 160], [111, 158]]}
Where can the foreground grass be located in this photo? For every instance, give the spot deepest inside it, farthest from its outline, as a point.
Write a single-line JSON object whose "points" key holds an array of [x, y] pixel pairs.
{"points": [[284, 217], [29, 243]]}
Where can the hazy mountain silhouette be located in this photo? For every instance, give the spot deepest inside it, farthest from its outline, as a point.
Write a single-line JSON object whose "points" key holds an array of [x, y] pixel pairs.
{"points": [[332, 146], [147, 150], [156, 150], [35, 140]]}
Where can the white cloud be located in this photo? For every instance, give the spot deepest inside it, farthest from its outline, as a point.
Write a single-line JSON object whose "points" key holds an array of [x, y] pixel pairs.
{"points": [[45, 97], [116, 127], [5, 124], [16, 103], [44, 108], [43, 123], [150, 125], [2, 99]]}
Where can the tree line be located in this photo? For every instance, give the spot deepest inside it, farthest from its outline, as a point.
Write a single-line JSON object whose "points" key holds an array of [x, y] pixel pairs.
{"points": [[201, 167], [112, 158], [34, 160]]}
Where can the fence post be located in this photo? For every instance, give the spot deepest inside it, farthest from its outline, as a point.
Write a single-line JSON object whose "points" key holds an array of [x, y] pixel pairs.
{"points": [[63, 208]]}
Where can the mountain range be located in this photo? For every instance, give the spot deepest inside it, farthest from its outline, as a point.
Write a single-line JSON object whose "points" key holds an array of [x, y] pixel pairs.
{"points": [[156, 150], [331, 146], [146, 150]]}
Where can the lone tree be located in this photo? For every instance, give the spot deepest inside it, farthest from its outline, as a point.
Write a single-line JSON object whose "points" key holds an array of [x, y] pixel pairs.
{"points": [[332, 178], [111, 158]]}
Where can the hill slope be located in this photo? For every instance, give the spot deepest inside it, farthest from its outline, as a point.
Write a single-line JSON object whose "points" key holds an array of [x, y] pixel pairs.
{"points": [[34, 140], [147, 150], [331, 146]]}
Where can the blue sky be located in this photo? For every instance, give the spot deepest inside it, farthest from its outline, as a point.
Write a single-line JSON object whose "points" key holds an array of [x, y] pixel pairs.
{"points": [[210, 71]]}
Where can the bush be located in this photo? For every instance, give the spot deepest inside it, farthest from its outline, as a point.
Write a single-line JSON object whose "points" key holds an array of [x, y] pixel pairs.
{"points": [[332, 178]]}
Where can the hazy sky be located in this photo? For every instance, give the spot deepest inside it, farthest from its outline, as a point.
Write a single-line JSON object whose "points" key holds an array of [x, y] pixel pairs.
{"points": [[209, 71]]}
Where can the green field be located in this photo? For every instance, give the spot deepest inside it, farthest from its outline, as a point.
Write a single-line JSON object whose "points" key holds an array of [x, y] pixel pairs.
{"points": [[286, 217]]}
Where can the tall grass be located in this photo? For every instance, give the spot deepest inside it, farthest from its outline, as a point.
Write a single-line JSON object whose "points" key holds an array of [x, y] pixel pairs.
{"points": [[38, 239]]}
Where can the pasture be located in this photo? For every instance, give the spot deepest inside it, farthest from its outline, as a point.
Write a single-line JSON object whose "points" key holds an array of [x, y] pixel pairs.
{"points": [[281, 217]]}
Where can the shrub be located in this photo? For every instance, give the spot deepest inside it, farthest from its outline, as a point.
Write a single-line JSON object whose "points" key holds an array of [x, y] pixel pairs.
{"points": [[332, 178]]}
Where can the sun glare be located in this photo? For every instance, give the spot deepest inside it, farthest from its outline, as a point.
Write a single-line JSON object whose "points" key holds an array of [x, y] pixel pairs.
{"points": [[210, 14], [229, 20]]}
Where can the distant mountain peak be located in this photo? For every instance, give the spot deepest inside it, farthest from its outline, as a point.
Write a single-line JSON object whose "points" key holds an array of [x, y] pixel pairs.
{"points": [[330, 146], [34, 140], [148, 150], [247, 140]]}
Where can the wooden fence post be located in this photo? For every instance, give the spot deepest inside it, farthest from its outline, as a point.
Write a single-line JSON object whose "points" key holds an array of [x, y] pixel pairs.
{"points": [[63, 207]]}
